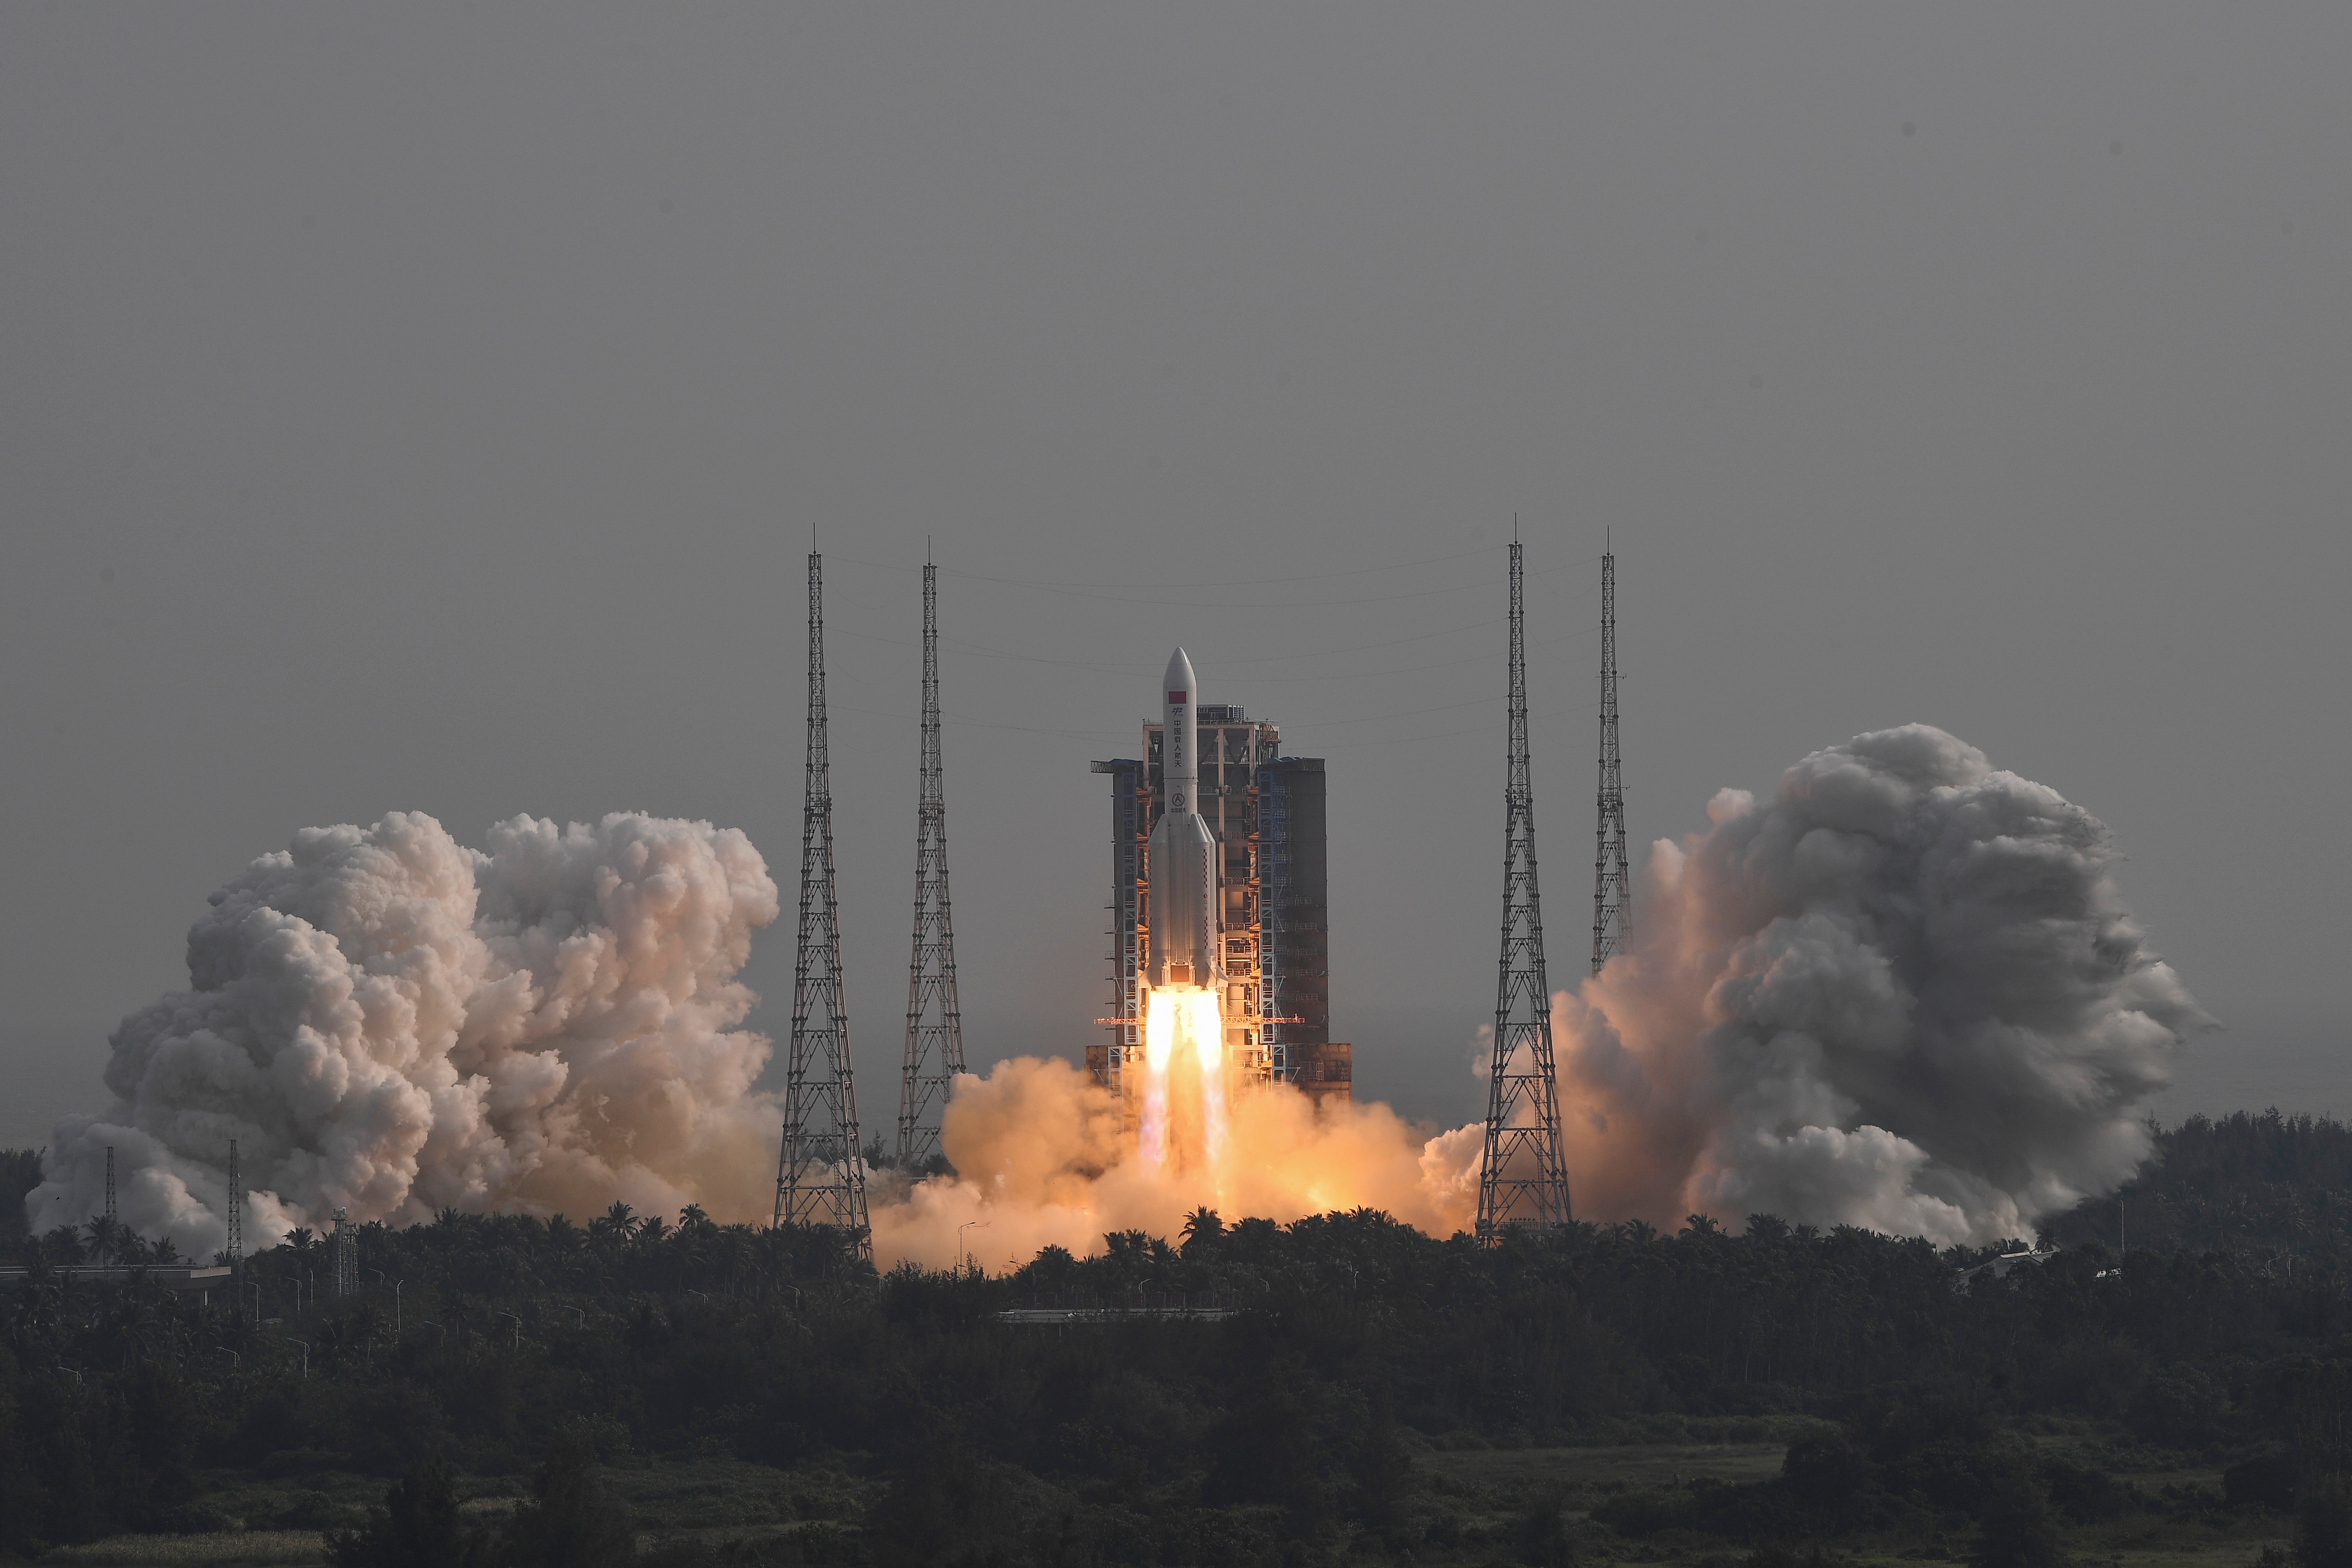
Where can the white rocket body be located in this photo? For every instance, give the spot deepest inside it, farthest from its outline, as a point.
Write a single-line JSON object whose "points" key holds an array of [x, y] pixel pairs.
{"points": [[1182, 852]]}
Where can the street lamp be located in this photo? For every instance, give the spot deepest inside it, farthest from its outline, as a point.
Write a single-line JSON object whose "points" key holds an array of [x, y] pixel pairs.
{"points": [[396, 1284], [968, 1225]]}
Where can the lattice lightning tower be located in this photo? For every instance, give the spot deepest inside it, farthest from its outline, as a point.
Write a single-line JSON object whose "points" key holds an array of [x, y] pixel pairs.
{"points": [[1612, 885], [234, 1250], [821, 1173], [345, 1246], [1522, 1181], [934, 1023]]}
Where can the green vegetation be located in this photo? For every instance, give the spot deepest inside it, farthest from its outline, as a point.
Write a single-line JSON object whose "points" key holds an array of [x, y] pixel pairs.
{"points": [[503, 1390]]}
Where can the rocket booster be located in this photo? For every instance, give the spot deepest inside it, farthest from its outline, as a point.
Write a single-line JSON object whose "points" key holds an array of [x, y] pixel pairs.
{"points": [[1184, 853]]}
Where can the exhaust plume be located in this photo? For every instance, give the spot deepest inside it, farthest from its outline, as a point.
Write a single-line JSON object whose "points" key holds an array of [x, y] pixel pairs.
{"points": [[1903, 993], [388, 1021], [1040, 1159]]}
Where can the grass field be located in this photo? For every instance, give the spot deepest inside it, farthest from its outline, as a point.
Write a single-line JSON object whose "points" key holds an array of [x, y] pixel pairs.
{"points": [[1478, 1494], [223, 1549]]}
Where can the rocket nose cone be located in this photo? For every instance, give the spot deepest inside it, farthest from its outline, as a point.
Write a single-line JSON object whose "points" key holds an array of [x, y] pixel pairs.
{"points": [[1180, 674]]}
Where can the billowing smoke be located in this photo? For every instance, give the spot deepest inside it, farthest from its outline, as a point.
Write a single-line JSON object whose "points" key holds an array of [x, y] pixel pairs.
{"points": [[1901, 993], [1041, 1160], [386, 1020]]}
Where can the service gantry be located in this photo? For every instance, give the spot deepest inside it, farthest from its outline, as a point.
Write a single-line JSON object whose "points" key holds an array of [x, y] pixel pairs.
{"points": [[1267, 813]]}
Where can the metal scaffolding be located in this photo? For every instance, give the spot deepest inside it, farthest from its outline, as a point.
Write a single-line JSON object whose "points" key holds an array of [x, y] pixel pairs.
{"points": [[934, 1023], [821, 1172], [1612, 885], [1521, 1182]]}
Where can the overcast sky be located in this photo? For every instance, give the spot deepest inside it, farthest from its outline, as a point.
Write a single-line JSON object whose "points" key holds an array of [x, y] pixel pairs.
{"points": [[430, 408]]}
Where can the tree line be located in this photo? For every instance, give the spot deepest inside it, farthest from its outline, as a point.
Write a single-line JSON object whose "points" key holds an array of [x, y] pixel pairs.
{"points": [[546, 1350]]}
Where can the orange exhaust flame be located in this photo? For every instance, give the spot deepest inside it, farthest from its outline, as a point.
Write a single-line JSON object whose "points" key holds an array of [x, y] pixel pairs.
{"points": [[1184, 1078], [1042, 1158]]}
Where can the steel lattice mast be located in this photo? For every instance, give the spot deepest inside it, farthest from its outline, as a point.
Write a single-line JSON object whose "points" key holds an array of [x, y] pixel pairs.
{"points": [[344, 1247], [1522, 1181], [820, 1174], [1612, 885], [934, 1023], [235, 1249], [111, 1248]]}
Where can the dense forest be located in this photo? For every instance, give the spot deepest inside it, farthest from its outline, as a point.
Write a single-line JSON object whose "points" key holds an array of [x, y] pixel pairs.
{"points": [[658, 1389]]}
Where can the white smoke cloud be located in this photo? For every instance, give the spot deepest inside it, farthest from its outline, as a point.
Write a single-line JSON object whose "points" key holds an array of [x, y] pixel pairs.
{"points": [[386, 1020], [1902, 993]]}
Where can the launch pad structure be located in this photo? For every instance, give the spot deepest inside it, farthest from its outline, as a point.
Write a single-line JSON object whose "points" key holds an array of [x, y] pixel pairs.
{"points": [[1265, 812]]}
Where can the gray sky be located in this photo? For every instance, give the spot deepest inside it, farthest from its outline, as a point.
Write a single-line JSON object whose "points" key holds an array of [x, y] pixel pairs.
{"points": [[428, 408]]}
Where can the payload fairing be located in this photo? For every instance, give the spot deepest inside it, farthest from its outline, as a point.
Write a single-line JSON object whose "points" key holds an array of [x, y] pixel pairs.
{"points": [[1183, 851]]}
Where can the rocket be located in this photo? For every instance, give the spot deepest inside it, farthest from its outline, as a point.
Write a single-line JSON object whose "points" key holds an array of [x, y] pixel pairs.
{"points": [[1182, 852]]}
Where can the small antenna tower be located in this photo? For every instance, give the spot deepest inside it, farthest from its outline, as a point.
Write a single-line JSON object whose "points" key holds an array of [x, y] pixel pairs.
{"points": [[821, 1173], [1612, 885], [113, 1214], [346, 1246], [934, 1023], [1520, 1180], [236, 1248]]}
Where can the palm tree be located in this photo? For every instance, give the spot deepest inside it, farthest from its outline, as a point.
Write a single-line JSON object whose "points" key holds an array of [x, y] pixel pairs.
{"points": [[105, 1240], [1202, 1229]]}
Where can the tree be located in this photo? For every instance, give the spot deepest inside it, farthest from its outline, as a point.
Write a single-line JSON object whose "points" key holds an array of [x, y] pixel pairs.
{"points": [[1202, 1231], [417, 1527], [1542, 1532], [2323, 1537], [572, 1522], [1382, 1470], [2018, 1528]]}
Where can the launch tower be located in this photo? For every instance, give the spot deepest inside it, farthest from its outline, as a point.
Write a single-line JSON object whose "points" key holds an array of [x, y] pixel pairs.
{"points": [[1612, 885], [1265, 812], [821, 1172], [1522, 1181], [934, 1023], [234, 1251]]}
